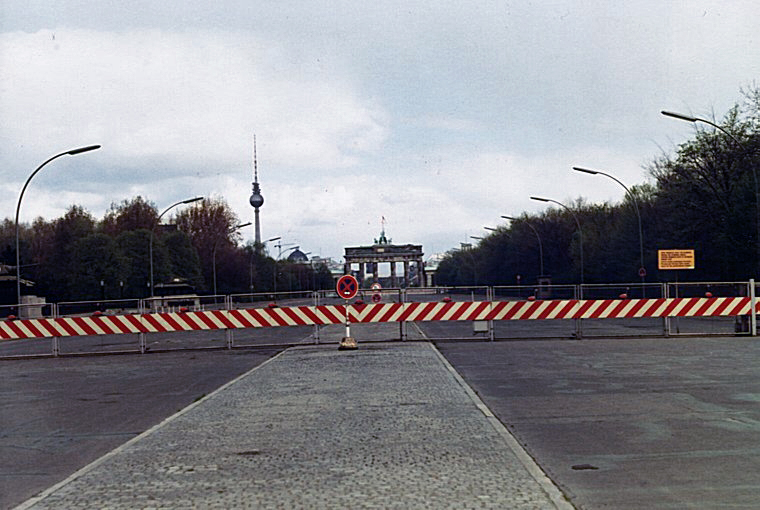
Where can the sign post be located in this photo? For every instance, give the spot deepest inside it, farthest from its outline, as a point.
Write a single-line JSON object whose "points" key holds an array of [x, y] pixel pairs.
{"points": [[347, 287], [675, 260]]}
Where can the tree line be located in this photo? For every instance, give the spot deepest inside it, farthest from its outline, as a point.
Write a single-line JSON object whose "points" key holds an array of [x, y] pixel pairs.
{"points": [[77, 257], [703, 197]]}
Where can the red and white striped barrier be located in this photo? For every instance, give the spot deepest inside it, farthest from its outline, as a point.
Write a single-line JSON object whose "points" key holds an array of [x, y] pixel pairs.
{"points": [[375, 312]]}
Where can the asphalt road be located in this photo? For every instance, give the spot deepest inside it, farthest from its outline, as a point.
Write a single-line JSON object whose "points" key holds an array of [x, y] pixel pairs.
{"points": [[633, 423]]}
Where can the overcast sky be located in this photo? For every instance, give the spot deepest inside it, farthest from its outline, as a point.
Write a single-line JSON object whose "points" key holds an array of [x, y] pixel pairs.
{"points": [[439, 116]]}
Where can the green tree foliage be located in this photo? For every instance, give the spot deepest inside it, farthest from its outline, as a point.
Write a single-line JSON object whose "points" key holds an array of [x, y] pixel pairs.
{"points": [[323, 279], [68, 257], [96, 267], [8, 242], [56, 260], [183, 258], [210, 224], [134, 249], [129, 215]]}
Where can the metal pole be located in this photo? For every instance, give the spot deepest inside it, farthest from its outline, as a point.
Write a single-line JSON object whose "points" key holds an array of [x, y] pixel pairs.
{"points": [[72, 152], [152, 234], [753, 302], [642, 272], [538, 237], [580, 232]]}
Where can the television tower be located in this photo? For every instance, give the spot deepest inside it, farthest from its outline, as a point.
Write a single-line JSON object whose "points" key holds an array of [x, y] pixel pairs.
{"points": [[256, 199]]}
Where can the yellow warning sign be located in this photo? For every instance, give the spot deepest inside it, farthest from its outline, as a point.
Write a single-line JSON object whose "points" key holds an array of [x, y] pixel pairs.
{"points": [[675, 259]]}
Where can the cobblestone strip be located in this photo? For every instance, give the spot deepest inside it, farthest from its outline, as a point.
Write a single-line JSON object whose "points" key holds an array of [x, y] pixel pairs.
{"points": [[385, 426], [543, 480]]}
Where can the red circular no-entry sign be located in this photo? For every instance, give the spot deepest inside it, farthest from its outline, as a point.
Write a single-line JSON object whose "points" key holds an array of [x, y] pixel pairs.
{"points": [[347, 286]]}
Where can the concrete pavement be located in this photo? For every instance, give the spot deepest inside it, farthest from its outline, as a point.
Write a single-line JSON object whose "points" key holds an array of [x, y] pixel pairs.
{"points": [[652, 423], [384, 426]]}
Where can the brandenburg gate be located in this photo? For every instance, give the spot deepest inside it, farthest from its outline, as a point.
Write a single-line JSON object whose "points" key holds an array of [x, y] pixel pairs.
{"points": [[369, 259]]}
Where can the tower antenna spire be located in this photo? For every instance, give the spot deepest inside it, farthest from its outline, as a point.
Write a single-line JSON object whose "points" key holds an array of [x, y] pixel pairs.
{"points": [[255, 163]]}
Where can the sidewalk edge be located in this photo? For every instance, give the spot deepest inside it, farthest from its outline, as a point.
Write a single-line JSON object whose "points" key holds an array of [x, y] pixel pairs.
{"points": [[547, 485], [29, 503]]}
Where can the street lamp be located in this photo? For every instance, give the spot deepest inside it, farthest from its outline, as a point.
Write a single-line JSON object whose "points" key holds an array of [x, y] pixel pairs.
{"points": [[153, 230], [580, 231], [264, 243], [689, 118], [642, 270], [72, 152], [216, 243], [540, 247], [280, 247], [250, 268]]}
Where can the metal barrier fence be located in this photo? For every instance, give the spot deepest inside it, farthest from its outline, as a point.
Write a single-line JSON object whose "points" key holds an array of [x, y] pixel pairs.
{"points": [[619, 310]]}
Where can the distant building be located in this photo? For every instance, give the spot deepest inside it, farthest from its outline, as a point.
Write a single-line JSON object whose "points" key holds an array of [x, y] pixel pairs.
{"points": [[431, 268], [369, 258], [335, 268], [298, 256]]}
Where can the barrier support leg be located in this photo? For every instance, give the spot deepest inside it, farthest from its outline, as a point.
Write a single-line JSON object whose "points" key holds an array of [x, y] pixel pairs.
{"points": [[348, 342], [578, 333], [56, 346], [230, 338], [143, 346], [752, 302], [665, 320]]}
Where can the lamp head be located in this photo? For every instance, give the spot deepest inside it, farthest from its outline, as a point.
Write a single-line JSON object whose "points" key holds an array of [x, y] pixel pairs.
{"points": [[242, 225], [585, 170], [80, 150], [679, 116], [540, 199], [191, 200]]}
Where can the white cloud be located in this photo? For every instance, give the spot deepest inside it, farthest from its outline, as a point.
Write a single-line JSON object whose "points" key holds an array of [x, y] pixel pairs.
{"points": [[193, 97]]}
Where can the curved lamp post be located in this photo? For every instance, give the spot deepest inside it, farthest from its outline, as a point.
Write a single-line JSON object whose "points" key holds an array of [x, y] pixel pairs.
{"points": [[250, 268], [689, 118], [271, 239], [72, 152], [153, 230], [540, 247], [642, 270], [216, 243], [277, 260], [580, 231]]}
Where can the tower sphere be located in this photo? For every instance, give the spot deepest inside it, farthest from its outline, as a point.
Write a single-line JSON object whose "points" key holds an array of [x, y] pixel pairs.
{"points": [[256, 200]]}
